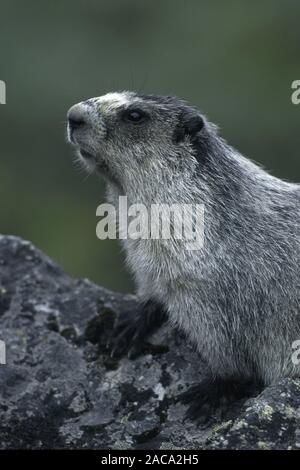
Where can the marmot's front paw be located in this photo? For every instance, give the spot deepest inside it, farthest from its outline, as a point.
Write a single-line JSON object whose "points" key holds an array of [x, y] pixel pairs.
{"points": [[133, 327], [214, 397]]}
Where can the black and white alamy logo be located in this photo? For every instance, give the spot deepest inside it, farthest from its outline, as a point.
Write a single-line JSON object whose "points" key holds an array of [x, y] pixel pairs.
{"points": [[2, 92]]}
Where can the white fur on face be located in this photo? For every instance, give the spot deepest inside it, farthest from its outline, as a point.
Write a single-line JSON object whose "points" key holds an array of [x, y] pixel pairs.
{"points": [[112, 101]]}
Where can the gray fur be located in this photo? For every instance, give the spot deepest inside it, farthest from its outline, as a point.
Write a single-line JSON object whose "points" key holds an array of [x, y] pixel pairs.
{"points": [[237, 298]]}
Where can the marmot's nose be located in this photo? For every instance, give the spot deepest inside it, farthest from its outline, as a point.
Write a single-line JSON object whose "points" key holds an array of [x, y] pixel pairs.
{"points": [[77, 116]]}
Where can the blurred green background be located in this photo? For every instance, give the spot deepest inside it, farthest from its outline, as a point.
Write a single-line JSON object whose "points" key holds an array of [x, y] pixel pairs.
{"points": [[236, 60]]}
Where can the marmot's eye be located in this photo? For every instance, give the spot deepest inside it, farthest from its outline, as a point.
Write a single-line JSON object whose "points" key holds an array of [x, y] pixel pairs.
{"points": [[134, 115]]}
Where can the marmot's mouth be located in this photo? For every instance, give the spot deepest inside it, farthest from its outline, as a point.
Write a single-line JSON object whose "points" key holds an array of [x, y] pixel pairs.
{"points": [[86, 154], [100, 165]]}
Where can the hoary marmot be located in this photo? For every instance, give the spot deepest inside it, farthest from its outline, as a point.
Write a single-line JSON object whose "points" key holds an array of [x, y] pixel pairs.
{"points": [[238, 297]]}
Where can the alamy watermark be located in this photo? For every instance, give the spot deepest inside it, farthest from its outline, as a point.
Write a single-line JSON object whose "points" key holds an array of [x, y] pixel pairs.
{"points": [[296, 353], [2, 92], [161, 221], [2, 352], [295, 96], [2, 343]]}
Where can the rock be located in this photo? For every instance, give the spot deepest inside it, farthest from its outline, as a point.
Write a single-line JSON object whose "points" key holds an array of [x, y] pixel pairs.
{"points": [[61, 389], [270, 421]]}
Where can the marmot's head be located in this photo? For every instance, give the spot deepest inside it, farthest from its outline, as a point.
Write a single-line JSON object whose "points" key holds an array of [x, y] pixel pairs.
{"points": [[126, 135]]}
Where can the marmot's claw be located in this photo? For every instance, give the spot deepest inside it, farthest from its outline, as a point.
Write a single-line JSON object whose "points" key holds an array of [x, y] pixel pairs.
{"points": [[212, 398], [121, 344], [132, 329]]}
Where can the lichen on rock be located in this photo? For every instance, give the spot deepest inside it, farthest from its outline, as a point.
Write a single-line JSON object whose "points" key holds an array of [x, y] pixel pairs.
{"points": [[61, 389]]}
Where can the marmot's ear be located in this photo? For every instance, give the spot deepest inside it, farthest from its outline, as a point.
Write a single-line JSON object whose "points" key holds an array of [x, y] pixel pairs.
{"points": [[190, 122]]}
